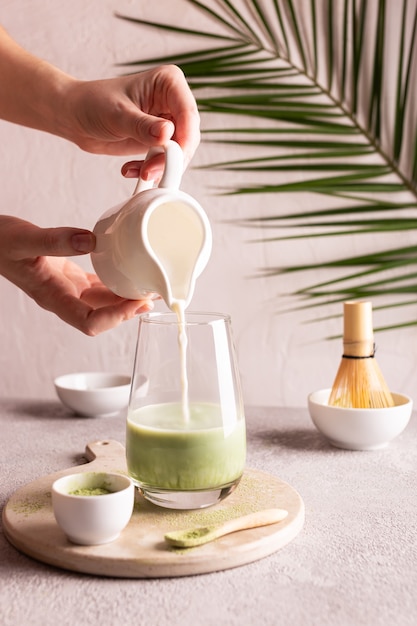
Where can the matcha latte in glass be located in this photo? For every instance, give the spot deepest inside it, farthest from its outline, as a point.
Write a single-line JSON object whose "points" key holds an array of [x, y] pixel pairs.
{"points": [[186, 438]]}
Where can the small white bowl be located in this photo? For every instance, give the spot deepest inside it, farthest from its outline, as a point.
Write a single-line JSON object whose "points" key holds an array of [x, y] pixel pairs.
{"points": [[94, 394], [89, 519], [359, 429]]}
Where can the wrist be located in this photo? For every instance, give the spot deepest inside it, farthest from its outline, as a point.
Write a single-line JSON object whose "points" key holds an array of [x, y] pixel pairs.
{"points": [[36, 89], [51, 108]]}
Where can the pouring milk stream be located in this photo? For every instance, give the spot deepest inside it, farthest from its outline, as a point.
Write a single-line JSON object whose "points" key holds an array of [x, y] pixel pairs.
{"points": [[158, 242]]}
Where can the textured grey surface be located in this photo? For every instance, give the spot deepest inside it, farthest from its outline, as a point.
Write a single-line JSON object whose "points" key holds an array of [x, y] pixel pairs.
{"points": [[354, 563]]}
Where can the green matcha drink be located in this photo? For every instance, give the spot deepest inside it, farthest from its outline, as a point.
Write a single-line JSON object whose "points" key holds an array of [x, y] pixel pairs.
{"points": [[164, 452]]}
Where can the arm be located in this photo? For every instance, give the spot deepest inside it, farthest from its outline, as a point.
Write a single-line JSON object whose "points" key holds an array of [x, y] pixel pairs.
{"points": [[34, 87], [119, 116]]}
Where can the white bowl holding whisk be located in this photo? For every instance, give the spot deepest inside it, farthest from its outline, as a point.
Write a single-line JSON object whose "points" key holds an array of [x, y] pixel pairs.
{"points": [[359, 429]]}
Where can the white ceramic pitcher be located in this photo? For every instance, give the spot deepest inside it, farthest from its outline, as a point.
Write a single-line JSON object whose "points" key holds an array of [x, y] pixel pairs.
{"points": [[158, 242]]}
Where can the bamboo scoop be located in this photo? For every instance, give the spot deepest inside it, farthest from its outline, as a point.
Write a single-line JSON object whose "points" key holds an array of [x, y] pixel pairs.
{"points": [[359, 382], [197, 536]]}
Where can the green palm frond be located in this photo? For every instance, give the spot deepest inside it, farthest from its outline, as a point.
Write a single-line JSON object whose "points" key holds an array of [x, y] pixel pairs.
{"points": [[320, 95]]}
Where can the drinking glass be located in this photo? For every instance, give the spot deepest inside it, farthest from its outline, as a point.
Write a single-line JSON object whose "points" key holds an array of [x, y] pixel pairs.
{"points": [[186, 437]]}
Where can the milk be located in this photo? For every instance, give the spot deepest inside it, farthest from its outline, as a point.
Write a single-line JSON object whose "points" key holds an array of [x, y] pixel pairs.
{"points": [[176, 235], [178, 307], [155, 244]]}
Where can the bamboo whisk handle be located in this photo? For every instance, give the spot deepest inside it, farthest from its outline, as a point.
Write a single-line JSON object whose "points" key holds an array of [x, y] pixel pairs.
{"points": [[358, 333]]}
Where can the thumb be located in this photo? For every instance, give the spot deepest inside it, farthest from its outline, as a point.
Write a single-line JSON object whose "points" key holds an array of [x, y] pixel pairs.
{"points": [[64, 241], [27, 240], [151, 130]]}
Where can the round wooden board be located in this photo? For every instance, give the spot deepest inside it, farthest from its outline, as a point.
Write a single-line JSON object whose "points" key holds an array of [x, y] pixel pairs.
{"points": [[141, 551]]}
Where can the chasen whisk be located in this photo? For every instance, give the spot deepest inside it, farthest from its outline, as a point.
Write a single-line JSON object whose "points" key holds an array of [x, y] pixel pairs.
{"points": [[359, 382]]}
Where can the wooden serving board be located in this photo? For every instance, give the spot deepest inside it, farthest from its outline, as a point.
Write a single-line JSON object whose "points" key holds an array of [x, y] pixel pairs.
{"points": [[141, 551]]}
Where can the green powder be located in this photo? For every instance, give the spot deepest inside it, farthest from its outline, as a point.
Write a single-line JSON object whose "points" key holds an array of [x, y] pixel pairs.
{"points": [[27, 507], [90, 491], [249, 496]]}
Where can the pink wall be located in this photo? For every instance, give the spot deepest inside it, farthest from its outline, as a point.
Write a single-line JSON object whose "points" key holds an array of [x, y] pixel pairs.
{"points": [[49, 182]]}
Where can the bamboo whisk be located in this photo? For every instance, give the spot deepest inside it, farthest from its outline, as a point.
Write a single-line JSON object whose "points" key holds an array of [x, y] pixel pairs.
{"points": [[359, 382]]}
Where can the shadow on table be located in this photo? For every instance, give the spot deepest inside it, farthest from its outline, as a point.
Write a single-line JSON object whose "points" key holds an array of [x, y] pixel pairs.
{"points": [[294, 439], [46, 409]]}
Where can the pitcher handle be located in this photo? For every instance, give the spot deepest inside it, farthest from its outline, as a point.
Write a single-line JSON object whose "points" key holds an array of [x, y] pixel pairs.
{"points": [[174, 164]]}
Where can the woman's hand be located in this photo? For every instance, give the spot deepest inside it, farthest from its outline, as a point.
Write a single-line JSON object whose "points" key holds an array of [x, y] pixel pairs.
{"points": [[128, 115], [120, 116], [33, 258]]}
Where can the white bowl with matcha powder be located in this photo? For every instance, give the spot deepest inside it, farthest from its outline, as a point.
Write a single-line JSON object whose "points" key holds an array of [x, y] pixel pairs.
{"points": [[93, 507]]}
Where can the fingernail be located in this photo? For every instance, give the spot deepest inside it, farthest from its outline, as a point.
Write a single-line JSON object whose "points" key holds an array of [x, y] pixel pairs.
{"points": [[132, 172], [83, 242], [145, 307], [157, 128], [152, 174]]}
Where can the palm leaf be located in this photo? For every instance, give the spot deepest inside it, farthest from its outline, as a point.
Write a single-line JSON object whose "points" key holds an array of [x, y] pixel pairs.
{"points": [[315, 79]]}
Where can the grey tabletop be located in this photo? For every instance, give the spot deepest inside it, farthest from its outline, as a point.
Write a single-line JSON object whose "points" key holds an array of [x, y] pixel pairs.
{"points": [[354, 562]]}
